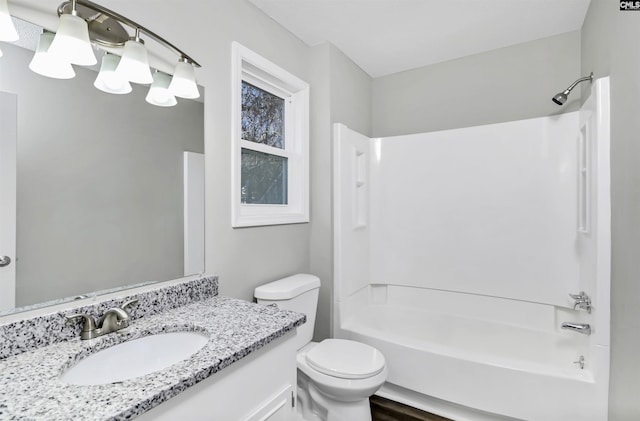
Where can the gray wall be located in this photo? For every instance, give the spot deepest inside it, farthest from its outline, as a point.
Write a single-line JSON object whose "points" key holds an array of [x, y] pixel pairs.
{"points": [[350, 93], [99, 201], [243, 258], [609, 47], [506, 84], [321, 225], [341, 94]]}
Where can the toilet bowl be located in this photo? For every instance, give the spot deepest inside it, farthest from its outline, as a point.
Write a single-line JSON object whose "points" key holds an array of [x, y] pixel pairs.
{"points": [[335, 376], [352, 376]]}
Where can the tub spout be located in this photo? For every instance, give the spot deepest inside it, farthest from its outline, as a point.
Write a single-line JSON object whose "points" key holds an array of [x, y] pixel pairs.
{"points": [[583, 328]]}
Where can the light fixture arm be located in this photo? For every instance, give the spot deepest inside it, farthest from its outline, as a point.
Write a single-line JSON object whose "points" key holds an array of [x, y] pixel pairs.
{"points": [[136, 37], [138, 28]]}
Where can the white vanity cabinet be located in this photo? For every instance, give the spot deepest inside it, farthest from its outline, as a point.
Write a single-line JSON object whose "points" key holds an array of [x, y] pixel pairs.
{"points": [[260, 386]]}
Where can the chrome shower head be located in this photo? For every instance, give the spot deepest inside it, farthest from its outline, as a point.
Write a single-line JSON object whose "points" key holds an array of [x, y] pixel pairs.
{"points": [[561, 98]]}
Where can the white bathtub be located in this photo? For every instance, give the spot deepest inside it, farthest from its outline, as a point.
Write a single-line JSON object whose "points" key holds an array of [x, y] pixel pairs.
{"points": [[473, 360]]}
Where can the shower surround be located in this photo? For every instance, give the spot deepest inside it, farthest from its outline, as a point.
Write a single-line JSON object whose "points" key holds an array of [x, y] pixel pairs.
{"points": [[456, 252]]}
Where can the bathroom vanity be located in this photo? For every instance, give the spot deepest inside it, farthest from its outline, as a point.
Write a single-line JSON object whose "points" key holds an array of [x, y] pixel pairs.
{"points": [[244, 371]]}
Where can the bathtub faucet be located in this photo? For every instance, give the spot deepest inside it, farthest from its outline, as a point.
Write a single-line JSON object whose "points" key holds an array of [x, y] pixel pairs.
{"points": [[583, 328]]}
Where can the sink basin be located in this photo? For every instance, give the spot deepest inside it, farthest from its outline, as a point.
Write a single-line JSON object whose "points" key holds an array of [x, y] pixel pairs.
{"points": [[135, 358]]}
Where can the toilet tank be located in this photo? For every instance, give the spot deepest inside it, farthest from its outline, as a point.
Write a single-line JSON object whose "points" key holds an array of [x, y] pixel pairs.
{"points": [[297, 293]]}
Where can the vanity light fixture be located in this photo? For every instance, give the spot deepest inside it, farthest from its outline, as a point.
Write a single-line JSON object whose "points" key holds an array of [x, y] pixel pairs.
{"points": [[71, 42], [134, 63], [85, 25], [159, 93], [183, 84], [47, 64], [108, 80]]}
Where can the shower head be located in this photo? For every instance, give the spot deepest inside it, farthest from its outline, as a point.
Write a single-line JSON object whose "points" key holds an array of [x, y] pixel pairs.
{"points": [[561, 98]]}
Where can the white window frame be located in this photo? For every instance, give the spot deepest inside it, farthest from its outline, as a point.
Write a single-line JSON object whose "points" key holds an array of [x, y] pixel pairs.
{"points": [[254, 69]]}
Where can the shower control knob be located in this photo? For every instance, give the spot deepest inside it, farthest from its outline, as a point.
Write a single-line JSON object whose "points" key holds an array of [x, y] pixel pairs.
{"points": [[5, 261], [579, 297], [582, 301]]}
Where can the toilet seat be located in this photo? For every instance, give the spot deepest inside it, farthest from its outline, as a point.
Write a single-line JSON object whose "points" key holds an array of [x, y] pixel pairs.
{"points": [[345, 359], [341, 390]]}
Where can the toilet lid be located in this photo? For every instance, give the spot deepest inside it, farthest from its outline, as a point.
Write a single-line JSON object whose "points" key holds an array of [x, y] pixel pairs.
{"points": [[345, 359]]}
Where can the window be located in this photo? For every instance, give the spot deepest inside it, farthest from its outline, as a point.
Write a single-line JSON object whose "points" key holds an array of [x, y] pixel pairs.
{"points": [[270, 153], [263, 176]]}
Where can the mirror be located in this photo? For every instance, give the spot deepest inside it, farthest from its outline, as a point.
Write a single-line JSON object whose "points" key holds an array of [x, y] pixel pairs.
{"points": [[100, 187]]}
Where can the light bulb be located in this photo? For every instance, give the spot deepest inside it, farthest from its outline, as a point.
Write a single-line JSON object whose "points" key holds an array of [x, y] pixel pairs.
{"points": [[134, 64], [8, 31], [108, 80], [72, 43], [183, 83], [159, 93], [46, 64]]}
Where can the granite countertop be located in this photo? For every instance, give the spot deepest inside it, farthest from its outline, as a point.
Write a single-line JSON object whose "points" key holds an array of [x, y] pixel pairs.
{"points": [[30, 388]]}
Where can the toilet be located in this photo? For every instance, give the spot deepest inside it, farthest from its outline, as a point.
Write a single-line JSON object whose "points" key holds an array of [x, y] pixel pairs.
{"points": [[335, 376]]}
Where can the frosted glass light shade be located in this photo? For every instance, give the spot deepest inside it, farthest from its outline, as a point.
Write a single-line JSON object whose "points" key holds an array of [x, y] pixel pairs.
{"points": [[72, 43], [7, 29], [108, 80], [159, 93], [46, 64], [183, 84], [134, 64]]}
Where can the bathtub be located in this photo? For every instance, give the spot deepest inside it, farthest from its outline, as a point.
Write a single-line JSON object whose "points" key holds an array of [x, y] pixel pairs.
{"points": [[471, 364]]}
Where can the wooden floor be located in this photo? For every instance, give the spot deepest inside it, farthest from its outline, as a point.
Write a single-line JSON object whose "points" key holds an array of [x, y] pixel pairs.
{"points": [[387, 410]]}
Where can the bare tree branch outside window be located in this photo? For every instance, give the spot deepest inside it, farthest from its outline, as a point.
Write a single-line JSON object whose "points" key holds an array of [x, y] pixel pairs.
{"points": [[262, 116]]}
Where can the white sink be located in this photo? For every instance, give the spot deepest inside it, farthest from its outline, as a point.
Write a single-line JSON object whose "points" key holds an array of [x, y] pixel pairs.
{"points": [[135, 358]]}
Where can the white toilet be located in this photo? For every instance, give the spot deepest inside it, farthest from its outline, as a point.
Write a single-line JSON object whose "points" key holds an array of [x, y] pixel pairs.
{"points": [[336, 376]]}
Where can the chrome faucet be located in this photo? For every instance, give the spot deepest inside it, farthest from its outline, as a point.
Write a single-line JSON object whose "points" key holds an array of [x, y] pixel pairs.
{"points": [[582, 301], [112, 320], [584, 328]]}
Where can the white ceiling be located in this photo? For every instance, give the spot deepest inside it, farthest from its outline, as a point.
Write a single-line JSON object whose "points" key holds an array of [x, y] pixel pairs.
{"points": [[389, 36]]}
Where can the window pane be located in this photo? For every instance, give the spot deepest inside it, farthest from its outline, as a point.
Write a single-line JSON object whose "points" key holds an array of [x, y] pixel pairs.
{"points": [[262, 116], [264, 178]]}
